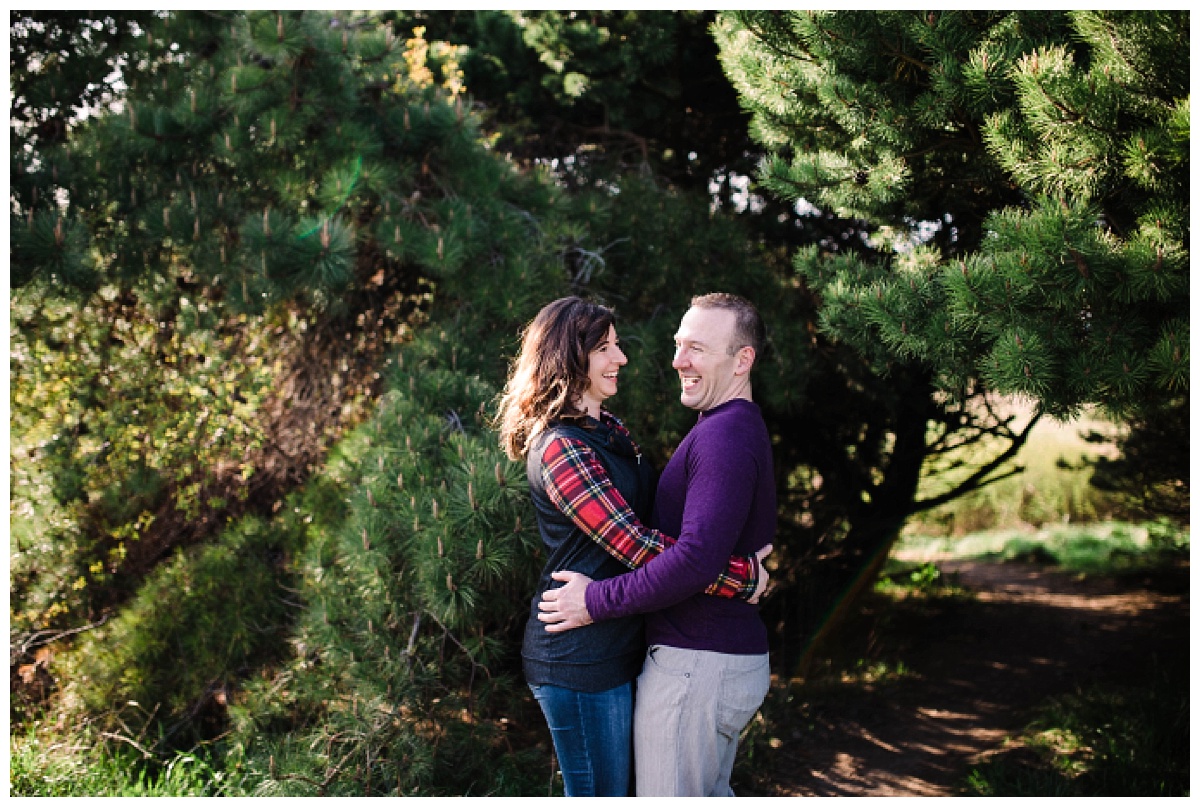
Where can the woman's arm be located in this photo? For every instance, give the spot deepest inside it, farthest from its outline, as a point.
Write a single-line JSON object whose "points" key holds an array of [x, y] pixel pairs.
{"points": [[579, 486]]}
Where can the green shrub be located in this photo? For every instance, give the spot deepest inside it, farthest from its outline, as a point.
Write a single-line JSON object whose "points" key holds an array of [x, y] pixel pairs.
{"points": [[199, 621], [403, 676], [924, 579]]}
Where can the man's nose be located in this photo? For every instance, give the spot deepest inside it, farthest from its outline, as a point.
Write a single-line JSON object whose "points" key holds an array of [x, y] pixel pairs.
{"points": [[680, 361]]}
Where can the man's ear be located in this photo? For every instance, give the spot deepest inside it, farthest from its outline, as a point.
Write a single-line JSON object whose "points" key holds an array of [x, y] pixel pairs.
{"points": [[745, 360]]}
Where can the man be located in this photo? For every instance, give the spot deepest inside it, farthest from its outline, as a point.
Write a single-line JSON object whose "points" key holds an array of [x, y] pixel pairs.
{"points": [[706, 670]]}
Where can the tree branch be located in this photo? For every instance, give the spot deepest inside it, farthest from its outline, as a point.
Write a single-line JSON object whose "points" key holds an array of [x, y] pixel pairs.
{"points": [[981, 478], [44, 637]]}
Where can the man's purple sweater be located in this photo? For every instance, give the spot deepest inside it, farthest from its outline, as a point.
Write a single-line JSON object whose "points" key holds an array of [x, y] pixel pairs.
{"points": [[717, 494]]}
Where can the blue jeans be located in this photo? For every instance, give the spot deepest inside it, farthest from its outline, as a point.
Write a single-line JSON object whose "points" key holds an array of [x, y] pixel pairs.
{"points": [[593, 737]]}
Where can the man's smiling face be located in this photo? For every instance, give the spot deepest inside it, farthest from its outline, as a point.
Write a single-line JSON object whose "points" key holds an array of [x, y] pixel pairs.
{"points": [[708, 375]]}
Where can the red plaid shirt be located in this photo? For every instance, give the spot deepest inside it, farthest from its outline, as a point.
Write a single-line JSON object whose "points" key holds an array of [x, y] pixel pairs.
{"points": [[579, 486]]}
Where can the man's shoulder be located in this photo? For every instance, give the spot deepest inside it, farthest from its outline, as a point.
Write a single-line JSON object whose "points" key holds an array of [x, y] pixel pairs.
{"points": [[730, 432], [735, 420]]}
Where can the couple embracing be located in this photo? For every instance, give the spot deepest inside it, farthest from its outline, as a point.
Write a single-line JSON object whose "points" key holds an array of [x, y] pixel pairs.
{"points": [[644, 646]]}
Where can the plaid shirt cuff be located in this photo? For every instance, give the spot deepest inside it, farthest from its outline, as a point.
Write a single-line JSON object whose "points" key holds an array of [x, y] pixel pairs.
{"points": [[738, 580], [579, 486]]}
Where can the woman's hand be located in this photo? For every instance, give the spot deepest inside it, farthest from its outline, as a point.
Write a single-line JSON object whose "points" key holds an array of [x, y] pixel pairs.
{"points": [[764, 577]]}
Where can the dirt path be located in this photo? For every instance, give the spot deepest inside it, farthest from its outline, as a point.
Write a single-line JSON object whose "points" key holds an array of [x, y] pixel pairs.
{"points": [[977, 669]]}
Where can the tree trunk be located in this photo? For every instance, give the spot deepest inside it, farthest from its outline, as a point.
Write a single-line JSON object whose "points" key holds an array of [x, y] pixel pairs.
{"points": [[826, 587]]}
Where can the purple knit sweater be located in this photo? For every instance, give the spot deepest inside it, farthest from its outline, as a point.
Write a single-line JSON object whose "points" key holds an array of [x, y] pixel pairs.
{"points": [[717, 494]]}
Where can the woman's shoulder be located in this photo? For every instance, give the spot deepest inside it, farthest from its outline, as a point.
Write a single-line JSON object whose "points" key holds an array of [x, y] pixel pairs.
{"points": [[612, 421], [565, 428], [562, 435]]}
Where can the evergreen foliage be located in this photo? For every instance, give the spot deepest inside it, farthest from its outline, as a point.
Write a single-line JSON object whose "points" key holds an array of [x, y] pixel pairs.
{"points": [[601, 91], [1064, 287], [597, 94], [321, 177], [404, 674], [185, 382], [404, 655], [408, 652], [1047, 152], [118, 405], [181, 643], [1152, 473]]}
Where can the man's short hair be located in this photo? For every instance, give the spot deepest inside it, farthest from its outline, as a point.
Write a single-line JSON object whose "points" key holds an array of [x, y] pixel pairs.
{"points": [[749, 330]]}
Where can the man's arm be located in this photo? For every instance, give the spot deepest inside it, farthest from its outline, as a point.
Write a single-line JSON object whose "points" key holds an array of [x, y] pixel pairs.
{"points": [[722, 477], [579, 486], [565, 607]]}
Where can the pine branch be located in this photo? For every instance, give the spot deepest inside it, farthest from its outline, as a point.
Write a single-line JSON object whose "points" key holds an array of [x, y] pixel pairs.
{"points": [[760, 32], [461, 646], [45, 637], [108, 735], [1115, 43], [320, 786], [891, 49], [1072, 115]]}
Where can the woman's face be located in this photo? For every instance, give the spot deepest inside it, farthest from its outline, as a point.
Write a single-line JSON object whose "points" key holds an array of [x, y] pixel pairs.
{"points": [[604, 363]]}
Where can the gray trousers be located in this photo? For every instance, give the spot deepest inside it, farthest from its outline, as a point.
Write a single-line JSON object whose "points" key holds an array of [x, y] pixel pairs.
{"points": [[689, 710]]}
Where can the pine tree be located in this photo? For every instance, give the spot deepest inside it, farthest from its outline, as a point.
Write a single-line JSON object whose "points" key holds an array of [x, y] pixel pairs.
{"points": [[138, 217], [309, 171], [1015, 171], [1048, 154]]}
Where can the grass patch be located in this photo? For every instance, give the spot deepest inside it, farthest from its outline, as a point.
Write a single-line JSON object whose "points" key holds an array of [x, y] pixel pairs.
{"points": [[38, 767], [1053, 487], [902, 579], [1110, 548], [1098, 742]]}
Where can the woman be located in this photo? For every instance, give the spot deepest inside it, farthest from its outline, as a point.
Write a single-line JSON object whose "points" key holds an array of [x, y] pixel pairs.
{"points": [[589, 484]]}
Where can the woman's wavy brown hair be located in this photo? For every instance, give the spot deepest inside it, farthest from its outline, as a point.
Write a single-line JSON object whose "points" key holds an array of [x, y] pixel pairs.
{"points": [[550, 374]]}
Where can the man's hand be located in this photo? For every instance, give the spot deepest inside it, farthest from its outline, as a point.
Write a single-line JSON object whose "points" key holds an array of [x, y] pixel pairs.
{"points": [[764, 577], [565, 608]]}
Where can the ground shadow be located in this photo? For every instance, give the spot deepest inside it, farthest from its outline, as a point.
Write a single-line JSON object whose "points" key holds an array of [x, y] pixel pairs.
{"points": [[974, 670]]}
